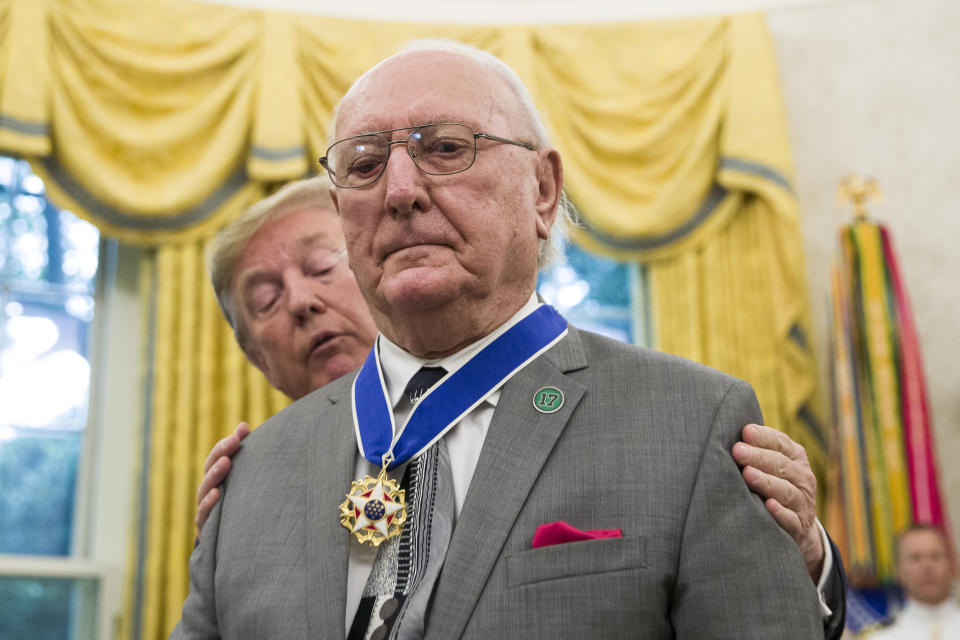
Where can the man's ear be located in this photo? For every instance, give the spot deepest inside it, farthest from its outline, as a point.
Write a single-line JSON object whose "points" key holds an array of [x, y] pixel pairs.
{"points": [[550, 190]]}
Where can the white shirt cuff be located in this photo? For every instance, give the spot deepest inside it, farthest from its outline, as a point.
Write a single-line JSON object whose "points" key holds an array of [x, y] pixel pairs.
{"points": [[825, 571]]}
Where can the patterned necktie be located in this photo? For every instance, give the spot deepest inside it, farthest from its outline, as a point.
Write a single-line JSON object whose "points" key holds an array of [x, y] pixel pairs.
{"points": [[397, 592]]}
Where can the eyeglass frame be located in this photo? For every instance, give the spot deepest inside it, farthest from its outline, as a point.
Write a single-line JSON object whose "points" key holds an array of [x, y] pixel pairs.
{"points": [[406, 142]]}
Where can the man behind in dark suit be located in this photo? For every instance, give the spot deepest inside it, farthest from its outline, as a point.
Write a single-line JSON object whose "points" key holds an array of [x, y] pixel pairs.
{"points": [[444, 241]]}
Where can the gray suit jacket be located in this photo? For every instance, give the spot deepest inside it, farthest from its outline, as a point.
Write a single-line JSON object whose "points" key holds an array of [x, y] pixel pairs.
{"points": [[641, 443]]}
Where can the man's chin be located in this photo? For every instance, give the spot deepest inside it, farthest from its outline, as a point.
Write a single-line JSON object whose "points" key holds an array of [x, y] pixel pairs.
{"points": [[418, 290]]}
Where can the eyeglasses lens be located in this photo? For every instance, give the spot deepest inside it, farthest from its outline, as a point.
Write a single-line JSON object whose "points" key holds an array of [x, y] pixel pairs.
{"points": [[358, 161], [441, 149], [436, 149]]}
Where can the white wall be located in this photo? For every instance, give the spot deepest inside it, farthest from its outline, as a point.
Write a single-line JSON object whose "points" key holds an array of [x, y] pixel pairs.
{"points": [[874, 87]]}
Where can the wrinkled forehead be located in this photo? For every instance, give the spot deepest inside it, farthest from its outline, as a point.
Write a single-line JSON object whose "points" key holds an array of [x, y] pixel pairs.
{"points": [[418, 87], [923, 540], [290, 231]]}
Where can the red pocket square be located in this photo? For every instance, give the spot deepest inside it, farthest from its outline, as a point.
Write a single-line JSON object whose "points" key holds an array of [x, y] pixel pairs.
{"points": [[560, 532]]}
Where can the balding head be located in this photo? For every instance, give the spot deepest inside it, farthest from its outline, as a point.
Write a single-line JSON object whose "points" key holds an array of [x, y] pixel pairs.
{"points": [[521, 103]]}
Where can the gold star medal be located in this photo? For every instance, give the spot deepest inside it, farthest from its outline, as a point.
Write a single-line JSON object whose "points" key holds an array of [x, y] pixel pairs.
{"points": [[375, 509]]}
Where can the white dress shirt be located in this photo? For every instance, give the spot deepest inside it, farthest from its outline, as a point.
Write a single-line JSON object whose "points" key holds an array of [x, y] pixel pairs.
{"points": [[918, 621], [464, 440]]}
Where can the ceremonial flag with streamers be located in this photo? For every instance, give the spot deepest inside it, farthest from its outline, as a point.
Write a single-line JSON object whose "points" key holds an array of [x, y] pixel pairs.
{"points": [[884, 472]]}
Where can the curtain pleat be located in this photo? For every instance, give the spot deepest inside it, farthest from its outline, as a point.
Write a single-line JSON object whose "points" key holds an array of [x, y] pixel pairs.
{"points": [[25, 77], [154, 574], [639, 161], [719, 305]]}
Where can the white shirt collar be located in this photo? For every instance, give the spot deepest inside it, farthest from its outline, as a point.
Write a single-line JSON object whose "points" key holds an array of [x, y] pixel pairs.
{"points": [[929, 612], [399, 366]]}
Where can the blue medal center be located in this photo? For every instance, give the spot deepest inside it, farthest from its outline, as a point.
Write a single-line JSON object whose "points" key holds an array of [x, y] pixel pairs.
{"points": [[374, 510]]}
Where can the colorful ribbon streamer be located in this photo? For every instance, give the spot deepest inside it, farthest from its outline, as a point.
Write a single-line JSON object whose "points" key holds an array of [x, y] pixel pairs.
{"points": [[883, 444]]}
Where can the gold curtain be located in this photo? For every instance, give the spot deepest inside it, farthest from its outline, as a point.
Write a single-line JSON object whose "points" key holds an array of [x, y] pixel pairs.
{"points": [[201, 388], [137, 114], [688, 172], [160, 121]]}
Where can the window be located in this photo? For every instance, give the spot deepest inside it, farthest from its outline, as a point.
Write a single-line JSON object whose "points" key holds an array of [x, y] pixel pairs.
{"points": [[48, 267], [598, 294]]}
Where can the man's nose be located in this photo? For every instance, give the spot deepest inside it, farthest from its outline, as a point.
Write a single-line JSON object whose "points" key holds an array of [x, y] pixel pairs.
{"points": [[305, 297], [405, 190]]}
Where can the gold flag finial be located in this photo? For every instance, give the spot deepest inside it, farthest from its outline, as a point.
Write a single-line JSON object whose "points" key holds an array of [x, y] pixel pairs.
{"points": [[858, 191]]}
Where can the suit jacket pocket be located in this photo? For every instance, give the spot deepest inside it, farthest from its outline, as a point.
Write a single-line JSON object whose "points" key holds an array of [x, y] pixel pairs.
{"points": [[575, 559]]}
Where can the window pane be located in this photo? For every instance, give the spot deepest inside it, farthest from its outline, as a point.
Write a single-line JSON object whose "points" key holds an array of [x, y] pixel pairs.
{"points": [[27, 258], [44, 360], [38, 476], [44, 609], [592, 292], [79, 242], [48, 266]]}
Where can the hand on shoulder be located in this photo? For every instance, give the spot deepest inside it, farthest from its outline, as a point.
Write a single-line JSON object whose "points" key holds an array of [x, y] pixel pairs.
{"points": [[777, 468], [215, 469]]}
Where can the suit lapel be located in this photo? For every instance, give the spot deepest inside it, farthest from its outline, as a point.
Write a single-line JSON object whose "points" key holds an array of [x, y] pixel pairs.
{"points": [[517, 445], [333, 460]]}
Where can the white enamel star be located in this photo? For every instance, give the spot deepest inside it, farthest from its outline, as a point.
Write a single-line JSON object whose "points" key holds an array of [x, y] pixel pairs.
{"points": [[360, 503]]}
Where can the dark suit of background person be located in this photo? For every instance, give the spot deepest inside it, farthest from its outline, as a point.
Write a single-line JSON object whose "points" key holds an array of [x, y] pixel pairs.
{"points": [[641, 442]]}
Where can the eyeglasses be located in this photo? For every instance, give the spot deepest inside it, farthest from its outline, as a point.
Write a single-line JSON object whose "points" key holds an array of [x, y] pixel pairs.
{"points": [[436, 149]]}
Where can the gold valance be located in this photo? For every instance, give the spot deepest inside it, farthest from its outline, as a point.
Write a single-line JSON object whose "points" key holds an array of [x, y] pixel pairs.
{"points": [[152, 119]]}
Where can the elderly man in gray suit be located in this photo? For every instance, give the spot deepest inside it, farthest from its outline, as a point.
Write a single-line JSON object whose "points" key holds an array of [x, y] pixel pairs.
{"points": [[550, 483]]}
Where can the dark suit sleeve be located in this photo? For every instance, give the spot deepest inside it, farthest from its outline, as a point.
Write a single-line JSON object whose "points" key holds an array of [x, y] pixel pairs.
{"points": [[199, 616], [835, 593], [740, 575]]}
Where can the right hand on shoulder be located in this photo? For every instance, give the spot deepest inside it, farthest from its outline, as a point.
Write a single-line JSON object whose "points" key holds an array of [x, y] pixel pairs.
{"points": [[215, 471]]}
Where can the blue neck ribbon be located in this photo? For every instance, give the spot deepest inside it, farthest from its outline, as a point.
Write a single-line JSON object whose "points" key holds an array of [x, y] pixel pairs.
{"points": [[453, 397]]}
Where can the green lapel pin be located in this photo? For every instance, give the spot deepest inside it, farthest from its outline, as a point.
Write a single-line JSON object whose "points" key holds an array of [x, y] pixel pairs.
{"points": [[548, 400]]}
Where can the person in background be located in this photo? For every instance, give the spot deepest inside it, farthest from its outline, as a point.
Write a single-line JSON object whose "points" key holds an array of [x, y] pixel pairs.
{"points": [[926, 573]]}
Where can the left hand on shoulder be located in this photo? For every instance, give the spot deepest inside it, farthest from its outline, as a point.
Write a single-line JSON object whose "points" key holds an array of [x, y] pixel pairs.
{"points": [[777, 468]]}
